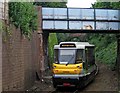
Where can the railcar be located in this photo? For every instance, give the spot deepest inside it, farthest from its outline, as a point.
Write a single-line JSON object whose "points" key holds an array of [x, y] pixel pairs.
{"points": [[74, 64]]}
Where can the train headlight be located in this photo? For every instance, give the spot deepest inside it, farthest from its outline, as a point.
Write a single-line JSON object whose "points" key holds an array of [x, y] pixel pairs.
{"points": [[54, 67], [56, 62], [79, 67]]}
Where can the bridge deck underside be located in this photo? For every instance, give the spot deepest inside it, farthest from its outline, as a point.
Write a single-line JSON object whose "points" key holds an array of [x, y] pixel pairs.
{"points": [[80, 31]]}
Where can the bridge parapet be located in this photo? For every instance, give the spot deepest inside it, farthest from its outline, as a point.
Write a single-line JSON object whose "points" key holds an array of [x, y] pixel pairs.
{"points": [[80, 20]]}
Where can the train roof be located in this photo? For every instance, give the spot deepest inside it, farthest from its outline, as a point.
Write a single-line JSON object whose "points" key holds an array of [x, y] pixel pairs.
{"points": [[79, 45]]}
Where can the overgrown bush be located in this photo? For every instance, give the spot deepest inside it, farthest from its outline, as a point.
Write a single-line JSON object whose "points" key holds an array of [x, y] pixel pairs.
{"points": [[106, 48], [24, 16], [52, 41]]}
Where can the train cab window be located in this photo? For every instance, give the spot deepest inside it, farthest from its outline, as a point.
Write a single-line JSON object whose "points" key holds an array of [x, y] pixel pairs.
{"points": [[79, 56], [90, 56], [67, 56]]}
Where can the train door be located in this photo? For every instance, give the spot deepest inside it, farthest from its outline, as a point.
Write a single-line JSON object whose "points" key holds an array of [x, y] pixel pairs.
{"points": [[79, 56], [86, 60], [89, 58], [56, 56]]}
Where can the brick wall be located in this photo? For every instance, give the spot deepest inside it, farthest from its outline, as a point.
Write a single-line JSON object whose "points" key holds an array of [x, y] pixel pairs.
{"points": [[1, 7], [0, 60], [43, 37], [20, 60]]}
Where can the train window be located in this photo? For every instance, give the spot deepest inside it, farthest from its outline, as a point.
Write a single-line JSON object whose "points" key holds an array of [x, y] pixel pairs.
{"points": [[90, 56], [67, 56], [79, 56], [56, 56]]}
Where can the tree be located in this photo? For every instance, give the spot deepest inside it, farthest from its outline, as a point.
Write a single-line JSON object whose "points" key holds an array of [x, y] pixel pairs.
{"points": [[50, 4], [23, 16], [115, 5], [106, 5]]}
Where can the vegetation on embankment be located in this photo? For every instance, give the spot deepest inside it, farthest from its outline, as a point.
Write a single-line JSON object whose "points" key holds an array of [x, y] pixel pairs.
{"points": [[24, 16], [52, 41], [106, 48]]}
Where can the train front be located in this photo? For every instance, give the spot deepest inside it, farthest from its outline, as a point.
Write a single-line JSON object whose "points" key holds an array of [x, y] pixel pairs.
{"points": [[68, 65]]}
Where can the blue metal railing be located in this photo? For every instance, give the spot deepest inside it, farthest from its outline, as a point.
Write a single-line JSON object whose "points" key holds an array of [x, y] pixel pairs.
{"points": [[80, 19]]}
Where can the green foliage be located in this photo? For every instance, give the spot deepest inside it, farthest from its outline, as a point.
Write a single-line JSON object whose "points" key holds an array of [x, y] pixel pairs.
{"points": [[115, 5], [73, 39], [109, 54], [106, 48], [106, 5], [51, 4], [23, 16], [78, 38], [62, 37], [52, 41]]}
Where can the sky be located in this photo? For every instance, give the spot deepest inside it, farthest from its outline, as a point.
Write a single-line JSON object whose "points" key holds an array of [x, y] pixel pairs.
{"points": [[80, 3]]}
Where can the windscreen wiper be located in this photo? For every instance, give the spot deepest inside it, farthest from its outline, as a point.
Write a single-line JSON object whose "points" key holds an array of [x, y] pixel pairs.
{"points": [[70, 59], [67, 63]]}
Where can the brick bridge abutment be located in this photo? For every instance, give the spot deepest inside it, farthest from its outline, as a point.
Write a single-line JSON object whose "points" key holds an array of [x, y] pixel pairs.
{"points": [[43, 37]]}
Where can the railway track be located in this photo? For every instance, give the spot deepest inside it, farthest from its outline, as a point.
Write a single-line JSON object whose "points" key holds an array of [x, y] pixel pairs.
{"points": [[65, 90], [97, 85]]}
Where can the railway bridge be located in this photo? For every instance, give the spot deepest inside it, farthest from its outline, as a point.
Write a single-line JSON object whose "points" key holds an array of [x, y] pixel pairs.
{"points": [[76, 20]]}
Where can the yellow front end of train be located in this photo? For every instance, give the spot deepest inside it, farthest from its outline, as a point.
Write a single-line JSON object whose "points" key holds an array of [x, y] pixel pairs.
{"points": [[67, 75], [67, 69]]}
